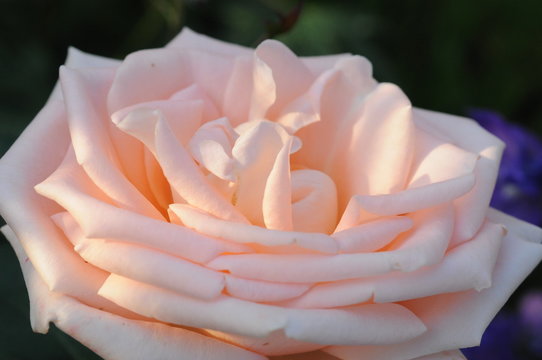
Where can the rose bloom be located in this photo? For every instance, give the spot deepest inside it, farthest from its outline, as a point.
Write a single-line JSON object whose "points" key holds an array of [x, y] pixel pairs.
{"points": [[210, 201]]}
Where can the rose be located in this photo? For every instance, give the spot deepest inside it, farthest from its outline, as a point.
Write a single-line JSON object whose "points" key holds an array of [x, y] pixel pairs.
{"points": [[209, 201]]}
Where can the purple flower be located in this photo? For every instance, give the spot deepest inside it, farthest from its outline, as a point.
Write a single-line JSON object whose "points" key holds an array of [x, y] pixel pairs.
{"points": [[530, 314], [518, 190], [499, 340]]}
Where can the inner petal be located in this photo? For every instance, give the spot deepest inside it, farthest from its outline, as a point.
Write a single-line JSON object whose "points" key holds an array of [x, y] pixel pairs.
{"points": [[314, 201]]}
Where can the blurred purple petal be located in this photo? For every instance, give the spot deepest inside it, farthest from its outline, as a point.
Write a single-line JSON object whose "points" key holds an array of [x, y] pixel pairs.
{"points": [[518, 190]]}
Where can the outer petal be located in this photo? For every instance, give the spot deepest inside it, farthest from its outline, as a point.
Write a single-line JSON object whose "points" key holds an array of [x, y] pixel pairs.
{"points": [[366, 324], [467, 134], [458, 320], [33, 156], [114, 337]]}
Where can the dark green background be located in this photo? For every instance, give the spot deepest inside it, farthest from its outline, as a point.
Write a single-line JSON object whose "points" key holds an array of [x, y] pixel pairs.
{"points": [[446, 55]]}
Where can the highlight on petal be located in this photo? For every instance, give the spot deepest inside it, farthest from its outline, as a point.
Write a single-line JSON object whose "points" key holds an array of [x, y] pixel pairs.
{"points": [[468, 135], [377, 156]]}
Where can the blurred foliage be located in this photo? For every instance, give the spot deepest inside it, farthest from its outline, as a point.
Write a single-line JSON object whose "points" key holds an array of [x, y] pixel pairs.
{"points": [[447, 55]]}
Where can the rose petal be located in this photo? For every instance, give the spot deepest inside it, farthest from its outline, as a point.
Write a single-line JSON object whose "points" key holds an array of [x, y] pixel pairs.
{"points": [[338, 98], [223, 313], [195, 93], [251, 234], [88, 122], [211, 147], [70, 187], [377, 153], [143, 264], [369, 207], [78, 59], [114, 337], [275, 344], [183, 116], [414, 252], [182, 173], [372, 235], [465, 267], [149, 75], [314, 201], [33, 156], [458, 320], [82, 282], [277, 197], [375, 323], [255, 152], [467, 134], [319, 64], [288, 73], [263, 291], [264, 90], [435, 161], [238, 92]]}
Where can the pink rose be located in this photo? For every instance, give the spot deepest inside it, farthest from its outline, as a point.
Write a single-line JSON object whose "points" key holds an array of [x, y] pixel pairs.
{"points": [[209, 201]]}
